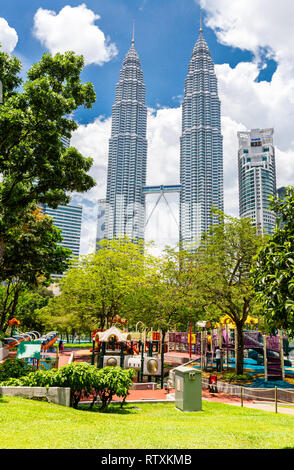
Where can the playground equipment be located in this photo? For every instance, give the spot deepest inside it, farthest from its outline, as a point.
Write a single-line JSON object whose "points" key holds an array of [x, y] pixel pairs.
{"points": [[267, 352], [31, 347], [16, 339], [46, 340], [129, 350]]}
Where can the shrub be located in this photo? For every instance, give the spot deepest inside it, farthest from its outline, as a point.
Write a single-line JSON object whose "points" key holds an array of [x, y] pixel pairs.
{"points": [[113, 381], [80, 377], [39, 378], [12, 383], [83, 380], [14, 368]]}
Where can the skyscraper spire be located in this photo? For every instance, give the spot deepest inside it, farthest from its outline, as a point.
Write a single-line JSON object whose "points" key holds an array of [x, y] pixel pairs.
{"points": [[200, 28], [133, 35]]}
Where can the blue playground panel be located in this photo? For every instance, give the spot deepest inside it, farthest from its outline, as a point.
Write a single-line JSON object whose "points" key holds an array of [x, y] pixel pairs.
{"points": [[260, 382], [250, 367]]}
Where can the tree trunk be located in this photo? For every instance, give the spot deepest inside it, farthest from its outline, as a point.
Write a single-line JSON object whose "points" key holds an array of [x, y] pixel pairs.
{"points": [[239, 350]]}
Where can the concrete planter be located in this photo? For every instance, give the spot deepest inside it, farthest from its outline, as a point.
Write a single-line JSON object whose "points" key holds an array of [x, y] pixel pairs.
{"points": [[144, 386], [3, 352], [57, 395]]}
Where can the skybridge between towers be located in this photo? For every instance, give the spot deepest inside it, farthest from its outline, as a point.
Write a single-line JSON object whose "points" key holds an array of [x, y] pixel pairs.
{"points": [[161, 191], [173, 188]]}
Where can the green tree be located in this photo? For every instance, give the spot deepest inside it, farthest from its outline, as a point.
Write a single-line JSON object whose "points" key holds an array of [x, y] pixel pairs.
{"points": [[102, 285], [222, 269], [29, 303], [169, 299], [34, 165], [273, 273], [32, 253]]}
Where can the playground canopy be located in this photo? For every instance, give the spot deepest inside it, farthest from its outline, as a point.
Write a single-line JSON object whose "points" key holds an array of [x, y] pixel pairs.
{"points": [[121, 337]]}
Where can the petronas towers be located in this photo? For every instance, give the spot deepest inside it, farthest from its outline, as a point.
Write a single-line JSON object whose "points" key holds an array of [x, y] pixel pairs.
{"points": [[201, 164], [127, 159], [201, 154]]}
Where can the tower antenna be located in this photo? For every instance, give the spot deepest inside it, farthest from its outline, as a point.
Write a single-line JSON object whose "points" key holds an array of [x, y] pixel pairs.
{"points": [[200, 29], [133, 35]]}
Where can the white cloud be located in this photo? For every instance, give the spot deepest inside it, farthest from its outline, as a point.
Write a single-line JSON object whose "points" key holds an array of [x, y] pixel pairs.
{"points": [[253, 25], [266, 29], [8, 36], [163, 134], [73, 28], [92, 141]]}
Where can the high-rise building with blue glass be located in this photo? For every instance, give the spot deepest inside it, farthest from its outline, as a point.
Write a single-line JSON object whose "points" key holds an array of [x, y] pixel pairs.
{"points": [[126, 175], [201, 164]]}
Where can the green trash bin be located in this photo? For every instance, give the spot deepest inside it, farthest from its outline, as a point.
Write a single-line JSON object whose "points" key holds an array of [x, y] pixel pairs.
{"points": [[188, 389]]}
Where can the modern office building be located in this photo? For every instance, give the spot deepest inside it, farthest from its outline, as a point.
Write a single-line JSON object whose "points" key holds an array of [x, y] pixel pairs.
{"points": [[69, 219], [126, 176], [257, 177], [201, 164]]}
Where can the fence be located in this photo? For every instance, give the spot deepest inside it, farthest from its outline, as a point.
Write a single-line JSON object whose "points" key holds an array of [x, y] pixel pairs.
{"points": [[276, 396], [43, 363]]}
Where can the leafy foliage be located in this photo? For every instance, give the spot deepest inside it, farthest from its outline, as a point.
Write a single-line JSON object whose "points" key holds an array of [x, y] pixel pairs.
{"points": [[31, 254], [36, 167], [34, 164], [82, 379], [222, 268], [274, 271], [100, 286], [14, 368], [113, 381]]}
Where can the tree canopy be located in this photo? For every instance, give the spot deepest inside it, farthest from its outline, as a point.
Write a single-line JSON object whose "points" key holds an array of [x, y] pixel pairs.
{"points": [[35, 165], [102, 285], [31, 255], [37, 168], [274, 271], [222, 270]]}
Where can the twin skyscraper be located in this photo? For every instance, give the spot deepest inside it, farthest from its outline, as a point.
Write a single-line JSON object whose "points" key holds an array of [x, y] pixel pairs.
{"points": [[201, 152]]}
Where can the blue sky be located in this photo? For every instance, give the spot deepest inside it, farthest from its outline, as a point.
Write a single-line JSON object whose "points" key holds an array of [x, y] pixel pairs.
{"points": [[165, 32], [251, 43]]}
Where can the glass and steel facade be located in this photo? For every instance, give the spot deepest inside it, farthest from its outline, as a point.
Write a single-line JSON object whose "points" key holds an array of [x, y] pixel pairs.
{"points": [[101, 226], [257, 177], [201, 163], [127, 158], [69, 219]]}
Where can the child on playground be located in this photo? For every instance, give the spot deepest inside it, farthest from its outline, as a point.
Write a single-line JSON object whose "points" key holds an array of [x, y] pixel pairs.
{"points": [[218, 353]]}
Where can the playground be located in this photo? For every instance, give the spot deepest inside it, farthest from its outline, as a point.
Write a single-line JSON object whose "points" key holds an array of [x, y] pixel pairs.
{"points": [[269, 372]]}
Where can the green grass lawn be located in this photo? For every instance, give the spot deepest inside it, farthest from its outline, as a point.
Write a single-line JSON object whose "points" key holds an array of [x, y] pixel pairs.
{"points": [[30, 424], [76, 345]]}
